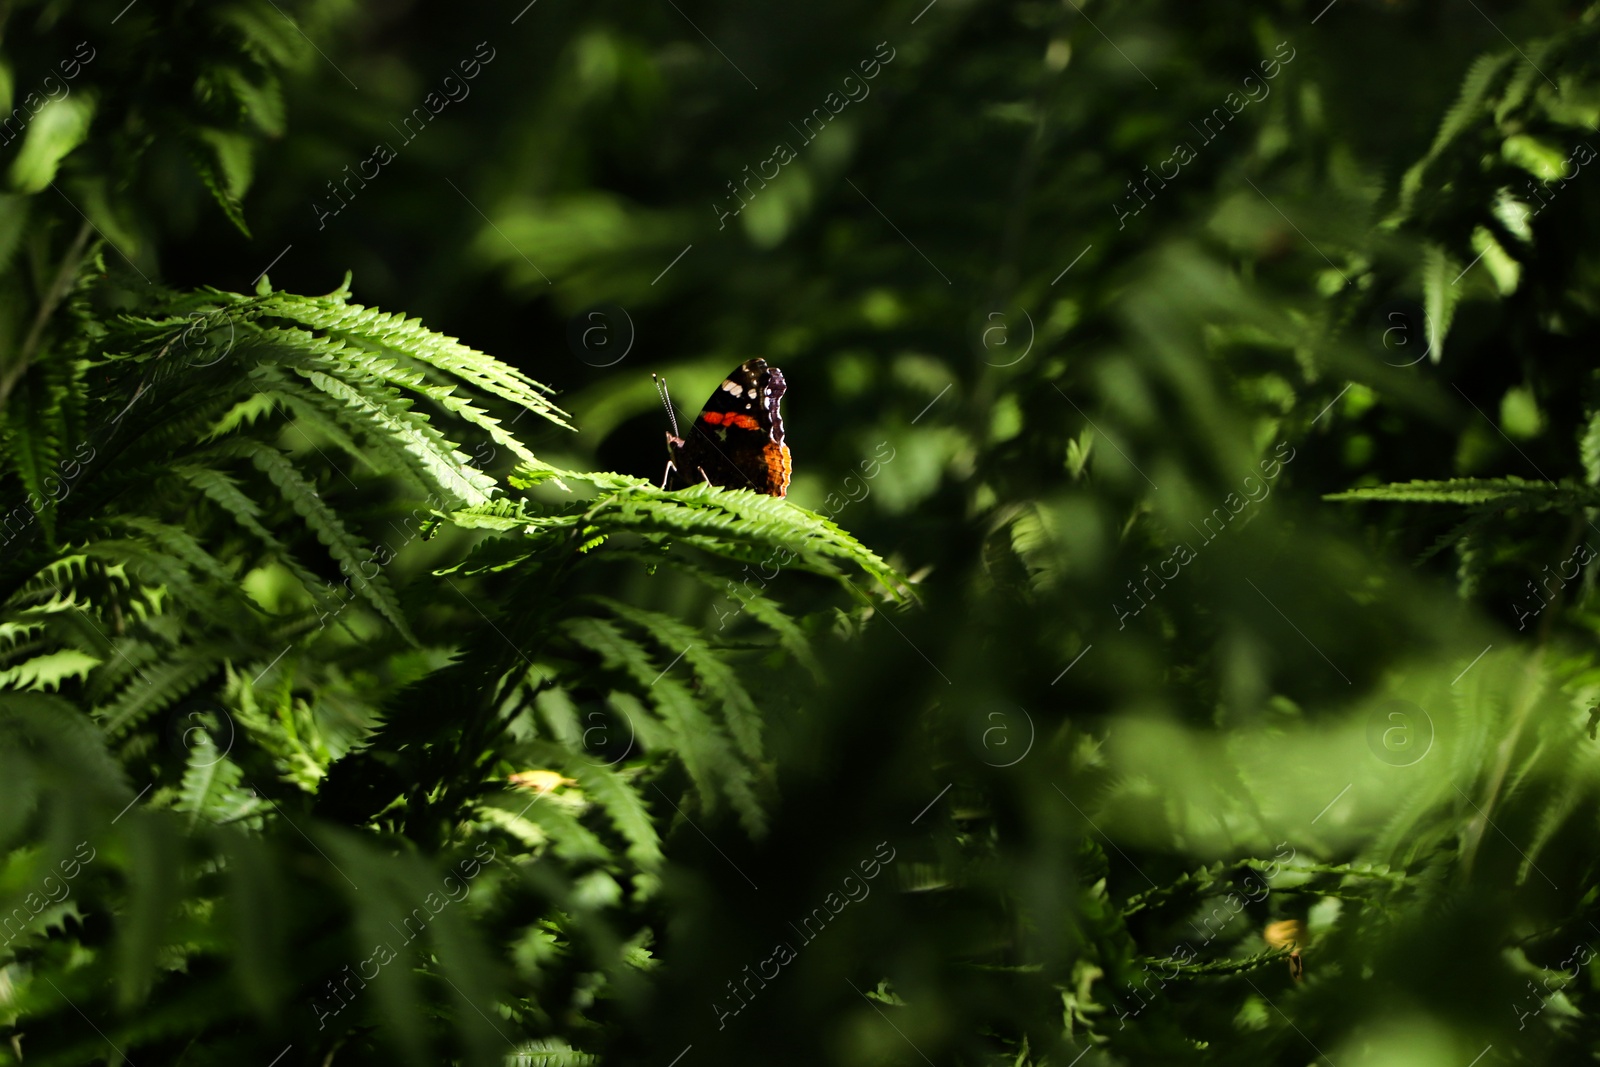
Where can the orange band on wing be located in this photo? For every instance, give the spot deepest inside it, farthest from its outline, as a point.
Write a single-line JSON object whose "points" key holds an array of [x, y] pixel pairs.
{"points": [[776, 458], [729, 418]]}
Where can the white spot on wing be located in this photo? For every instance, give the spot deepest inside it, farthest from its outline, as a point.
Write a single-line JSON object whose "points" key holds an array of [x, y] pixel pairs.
{"points": [[731, 388]]}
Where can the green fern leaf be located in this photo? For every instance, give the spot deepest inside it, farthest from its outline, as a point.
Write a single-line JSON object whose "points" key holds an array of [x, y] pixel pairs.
{"points": [[1503, 492], [224, 491], [211, 785], [542, 821], [1440, 294], [619, 799], [341, 544], [398, 335], [719, 679], [739, 599], [445, 467], [703, 746], [31, 436], [49, 671], [549, 1052], [156, 687]]}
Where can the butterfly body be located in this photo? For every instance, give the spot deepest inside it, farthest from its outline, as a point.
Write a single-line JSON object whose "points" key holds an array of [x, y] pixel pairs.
{"points": [[737, 440]]}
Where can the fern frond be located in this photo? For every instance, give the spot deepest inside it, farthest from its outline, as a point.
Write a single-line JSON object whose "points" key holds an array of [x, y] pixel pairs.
{"points": [[718, 678], [212, 786], [397, 335], [157, 686], [612, 791], [182, 546], [63, 739], [539, 822], [1471, 104], [50, 670], [431, 452], [704, 747], [733, 523], [224, 491], [313, 411], [148, 568], [1472, 492], [1217, 967], [331, 531], [763, 610], [618, 798], [1440, 295], [31, 441], [549, 1052]]}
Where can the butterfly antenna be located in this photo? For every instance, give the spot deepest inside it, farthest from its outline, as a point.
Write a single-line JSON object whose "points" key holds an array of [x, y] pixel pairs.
{"points": [[666, 402]]}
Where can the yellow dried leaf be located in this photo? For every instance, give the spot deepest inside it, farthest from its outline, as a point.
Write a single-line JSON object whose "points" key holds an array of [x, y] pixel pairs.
{"points": [[539, 781]]}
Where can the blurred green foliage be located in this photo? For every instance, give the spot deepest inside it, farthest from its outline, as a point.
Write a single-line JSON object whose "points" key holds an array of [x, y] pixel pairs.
{"points": [[1206, 673]]}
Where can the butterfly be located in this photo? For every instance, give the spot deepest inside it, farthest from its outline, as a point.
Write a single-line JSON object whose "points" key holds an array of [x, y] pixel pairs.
{"points": [[736, 441]]}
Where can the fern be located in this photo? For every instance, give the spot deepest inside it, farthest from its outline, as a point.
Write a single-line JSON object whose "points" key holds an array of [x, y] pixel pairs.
{"points": [[212, 783], [197, 468], [305, 500], [1471, 104], [49, 671], [1441, 293], [718, 678], [1478, 492], [239, 445], [706, 750], [549, 1053]]}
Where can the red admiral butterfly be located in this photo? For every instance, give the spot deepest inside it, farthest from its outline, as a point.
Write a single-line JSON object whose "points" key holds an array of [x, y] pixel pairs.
{"points": [[736, 442]]}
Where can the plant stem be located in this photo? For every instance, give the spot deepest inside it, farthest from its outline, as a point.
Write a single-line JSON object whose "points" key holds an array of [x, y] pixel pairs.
{"points": [[52, 299]]}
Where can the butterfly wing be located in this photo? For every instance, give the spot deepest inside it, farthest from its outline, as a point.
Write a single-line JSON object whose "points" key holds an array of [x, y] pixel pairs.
{"points": [[737, 440]]}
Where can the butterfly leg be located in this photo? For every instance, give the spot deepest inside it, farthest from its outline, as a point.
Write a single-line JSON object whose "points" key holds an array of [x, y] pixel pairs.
{"points": [[674, 442]]}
